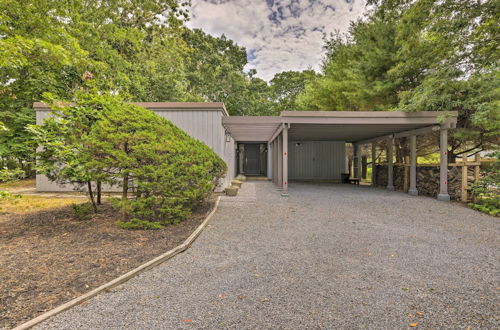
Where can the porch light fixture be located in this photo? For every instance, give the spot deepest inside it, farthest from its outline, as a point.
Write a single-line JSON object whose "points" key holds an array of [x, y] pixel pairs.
{"points": [[228, 136]]}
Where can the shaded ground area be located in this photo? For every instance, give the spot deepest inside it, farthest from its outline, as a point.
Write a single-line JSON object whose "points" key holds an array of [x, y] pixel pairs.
{"points": [[327, 257], [47, 258], [22, 198]]}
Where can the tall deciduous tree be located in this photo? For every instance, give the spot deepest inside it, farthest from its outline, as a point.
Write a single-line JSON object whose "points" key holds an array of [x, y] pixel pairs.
{"points": [[133, 48], [286, 86], [424, 55]]}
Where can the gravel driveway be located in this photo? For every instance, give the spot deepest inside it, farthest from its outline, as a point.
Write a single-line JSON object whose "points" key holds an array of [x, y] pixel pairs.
{"points": [[328, 256]]}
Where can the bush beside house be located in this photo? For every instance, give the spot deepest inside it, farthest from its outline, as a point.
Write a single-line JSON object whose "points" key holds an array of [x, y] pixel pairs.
{"points": [[163, 173]]}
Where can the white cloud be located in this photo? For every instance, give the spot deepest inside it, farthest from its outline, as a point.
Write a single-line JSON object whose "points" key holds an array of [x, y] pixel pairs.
{"points": [[279, 35]]}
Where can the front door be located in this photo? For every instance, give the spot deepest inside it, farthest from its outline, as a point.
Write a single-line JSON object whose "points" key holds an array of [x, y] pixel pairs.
{"points": [[251, 162]]}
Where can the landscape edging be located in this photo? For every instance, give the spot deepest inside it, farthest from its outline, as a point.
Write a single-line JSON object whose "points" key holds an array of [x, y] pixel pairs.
{"points": [[123, 278]]}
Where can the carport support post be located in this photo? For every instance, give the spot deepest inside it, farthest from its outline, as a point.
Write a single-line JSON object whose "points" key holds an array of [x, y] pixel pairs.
{"points": [[390, 169], [269, 161], [374, 168], [285, 161], [443, 166], [413, 166], [280, 162], [356, 161], [275, 162]]}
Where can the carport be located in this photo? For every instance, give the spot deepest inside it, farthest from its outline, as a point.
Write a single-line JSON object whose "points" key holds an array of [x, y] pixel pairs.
{"points": [[356, 127]]}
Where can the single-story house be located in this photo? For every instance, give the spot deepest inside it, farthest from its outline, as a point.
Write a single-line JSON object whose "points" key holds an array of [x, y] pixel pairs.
{"points": [[296, 145]]}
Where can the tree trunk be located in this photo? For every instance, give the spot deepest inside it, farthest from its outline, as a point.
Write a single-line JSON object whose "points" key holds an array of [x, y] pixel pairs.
{"points": [[98, 192], [124, 195], [91, 195], [125, 186]]}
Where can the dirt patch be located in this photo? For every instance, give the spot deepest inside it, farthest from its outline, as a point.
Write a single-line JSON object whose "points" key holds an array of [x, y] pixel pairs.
{"points": [[48, 258]]}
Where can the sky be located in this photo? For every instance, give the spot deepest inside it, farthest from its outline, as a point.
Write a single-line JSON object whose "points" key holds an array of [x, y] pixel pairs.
{"points": [[279, 35]]}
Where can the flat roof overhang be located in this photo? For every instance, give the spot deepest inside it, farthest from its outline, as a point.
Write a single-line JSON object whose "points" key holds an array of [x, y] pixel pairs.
{"points": [[349, 126], [165, 106], [252, 128]]}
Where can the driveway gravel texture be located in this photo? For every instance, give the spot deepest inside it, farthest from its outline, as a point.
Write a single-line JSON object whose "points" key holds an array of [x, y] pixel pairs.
{"points": [[326, 257]]}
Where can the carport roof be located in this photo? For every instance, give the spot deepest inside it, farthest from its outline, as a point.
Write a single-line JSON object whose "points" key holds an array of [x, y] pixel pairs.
{"points": [[349, 126]]}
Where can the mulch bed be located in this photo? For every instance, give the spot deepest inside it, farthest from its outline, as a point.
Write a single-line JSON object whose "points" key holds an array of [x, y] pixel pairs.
{"points": [[48, 258]]}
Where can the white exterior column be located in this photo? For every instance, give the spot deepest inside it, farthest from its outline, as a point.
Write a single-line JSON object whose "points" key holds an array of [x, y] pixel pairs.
{"points": [[276, 161], [390, 167], [285, 161], [280, 161], [443, 166], [413, 166], [356, 161], [374, 169]]}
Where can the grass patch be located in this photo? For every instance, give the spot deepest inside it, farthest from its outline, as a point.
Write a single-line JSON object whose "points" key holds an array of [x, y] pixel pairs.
{"points": [[19, 184], [28, 203]]}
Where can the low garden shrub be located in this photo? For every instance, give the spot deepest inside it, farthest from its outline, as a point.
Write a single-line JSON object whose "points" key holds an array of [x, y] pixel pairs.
{"points": [[486, 192], [171, 172], [98, 138], [137, 224], [82, 211]]}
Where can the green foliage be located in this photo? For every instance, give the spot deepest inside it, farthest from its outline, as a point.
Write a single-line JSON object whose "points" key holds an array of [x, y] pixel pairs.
{"points": [[50, 46], [100, 137], [5, 195], [215, 73], [486, 191], [487, 205], [418, 56], [65, 156], [137, 224], [171, 172], [47, 45], [286, 86], [11, 175], [82, 211]]}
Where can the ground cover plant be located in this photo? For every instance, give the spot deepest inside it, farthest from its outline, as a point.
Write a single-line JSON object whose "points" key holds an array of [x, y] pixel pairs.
{"points": [[486, 191]]}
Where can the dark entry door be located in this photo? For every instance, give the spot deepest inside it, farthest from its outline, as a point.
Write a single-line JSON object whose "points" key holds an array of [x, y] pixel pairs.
{"points": [[251, 163]]}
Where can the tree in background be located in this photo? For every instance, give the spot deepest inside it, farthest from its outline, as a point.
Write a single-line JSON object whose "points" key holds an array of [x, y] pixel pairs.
{"points": [[36, 56], [286, 86], [141, 51], [46, 46], [418, 56], [215, 71]]}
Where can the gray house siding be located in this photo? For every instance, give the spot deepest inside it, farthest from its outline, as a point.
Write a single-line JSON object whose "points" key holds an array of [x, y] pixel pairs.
{"points": [[204, 125], [316, 160]]}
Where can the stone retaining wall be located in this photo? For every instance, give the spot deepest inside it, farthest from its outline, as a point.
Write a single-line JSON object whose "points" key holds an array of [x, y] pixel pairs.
{"points": [[427, 179]]}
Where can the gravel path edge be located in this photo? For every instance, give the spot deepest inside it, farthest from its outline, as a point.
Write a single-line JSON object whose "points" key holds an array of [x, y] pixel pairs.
{"points": [[125, 277]]}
